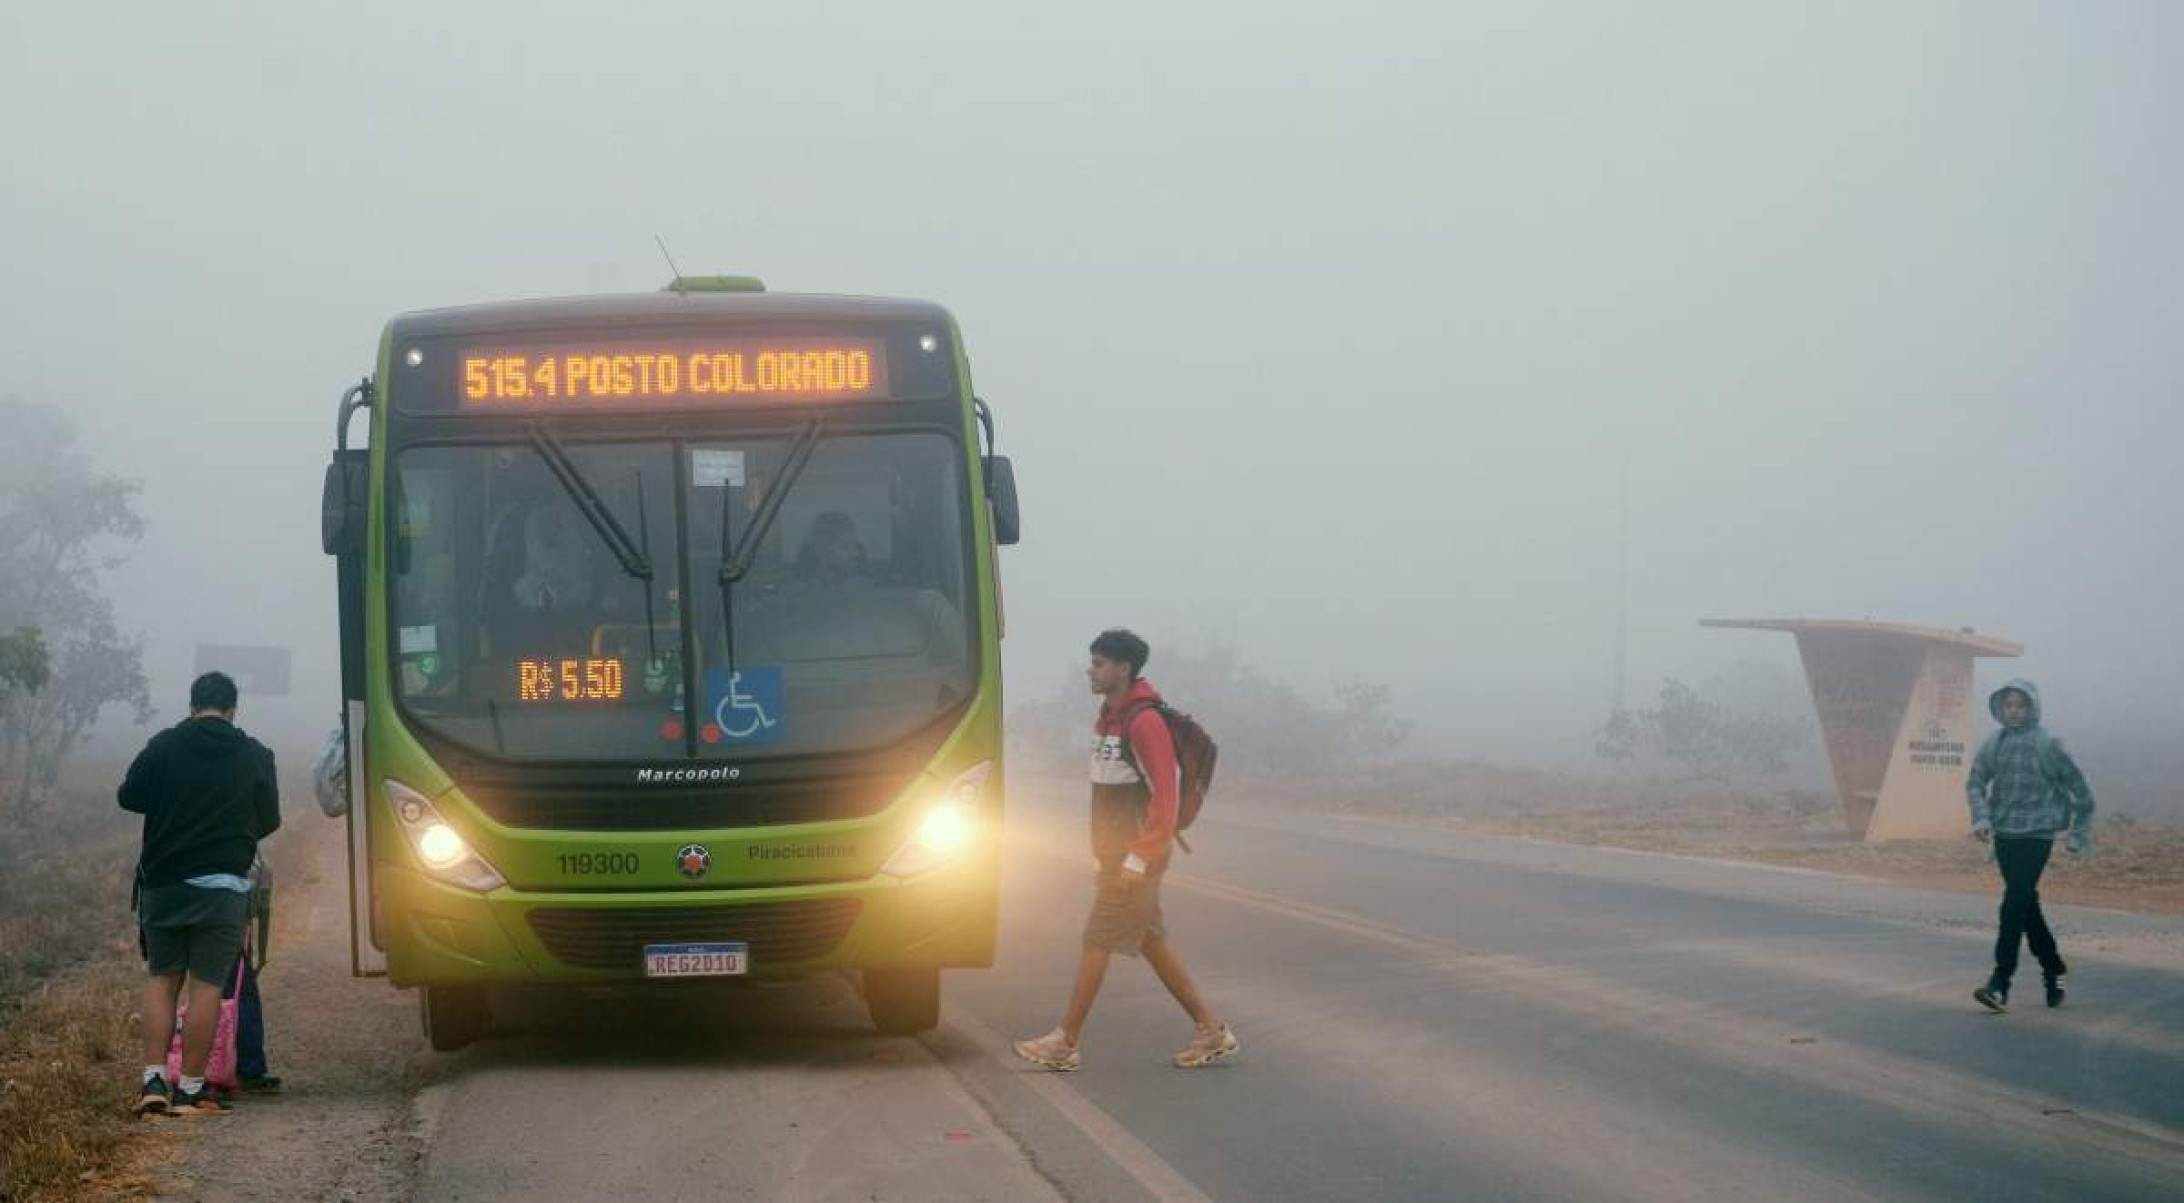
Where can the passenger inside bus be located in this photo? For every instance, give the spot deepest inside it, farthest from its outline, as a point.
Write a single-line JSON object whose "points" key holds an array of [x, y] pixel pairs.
{"points": [[544, 581], [835, 606], [832, 556]]}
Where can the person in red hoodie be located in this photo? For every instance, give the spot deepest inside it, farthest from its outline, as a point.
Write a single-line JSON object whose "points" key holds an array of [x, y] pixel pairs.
{"points": [[1133, 834]]}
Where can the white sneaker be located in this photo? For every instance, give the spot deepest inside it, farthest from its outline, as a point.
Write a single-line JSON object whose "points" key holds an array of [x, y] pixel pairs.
{"points": [[1208, 1045], [1053, 1050]]}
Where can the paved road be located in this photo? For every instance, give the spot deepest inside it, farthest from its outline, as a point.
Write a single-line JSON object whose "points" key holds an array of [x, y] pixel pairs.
{"points": [[1425, 1016]]}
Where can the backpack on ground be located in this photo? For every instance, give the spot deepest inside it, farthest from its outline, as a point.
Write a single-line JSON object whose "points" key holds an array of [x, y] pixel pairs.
{"points": [[1195, 753]]}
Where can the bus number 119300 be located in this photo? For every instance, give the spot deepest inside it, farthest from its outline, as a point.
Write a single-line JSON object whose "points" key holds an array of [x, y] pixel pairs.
{"points": [[597, 863]]}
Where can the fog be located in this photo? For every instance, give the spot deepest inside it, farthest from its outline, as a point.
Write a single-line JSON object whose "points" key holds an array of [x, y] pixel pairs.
{"points": [[1333, 335]]}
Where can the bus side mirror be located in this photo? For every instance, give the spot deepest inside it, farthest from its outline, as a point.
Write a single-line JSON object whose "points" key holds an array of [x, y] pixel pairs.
{"points": [[341, 532], [341, 504], [1001, 491]]}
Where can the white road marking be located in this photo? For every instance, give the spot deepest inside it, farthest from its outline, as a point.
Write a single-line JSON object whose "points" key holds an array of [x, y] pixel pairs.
{"points": [[1134, 1156]]}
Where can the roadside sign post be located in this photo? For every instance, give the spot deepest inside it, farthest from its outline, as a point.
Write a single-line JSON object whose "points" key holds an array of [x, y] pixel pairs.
{"points": [[1896, 712], [260, 670]]}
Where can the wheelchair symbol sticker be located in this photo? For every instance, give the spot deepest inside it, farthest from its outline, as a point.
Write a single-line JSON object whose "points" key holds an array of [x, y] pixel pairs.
{"points": [[744, 707]]}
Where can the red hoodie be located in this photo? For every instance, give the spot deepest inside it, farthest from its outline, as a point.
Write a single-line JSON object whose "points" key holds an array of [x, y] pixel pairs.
{"points": [[1154, 750]]}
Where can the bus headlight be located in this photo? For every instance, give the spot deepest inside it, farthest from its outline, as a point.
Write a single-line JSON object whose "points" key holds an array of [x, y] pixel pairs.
{"points": [[948, 827], [439, 847]]}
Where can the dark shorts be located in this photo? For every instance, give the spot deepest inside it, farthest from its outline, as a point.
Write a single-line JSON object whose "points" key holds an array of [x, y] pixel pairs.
{"points": [[1125, 906], [193, 929]]}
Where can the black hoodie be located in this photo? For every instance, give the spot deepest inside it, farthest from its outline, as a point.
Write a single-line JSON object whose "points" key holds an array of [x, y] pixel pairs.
{"points": [[207, 794]]}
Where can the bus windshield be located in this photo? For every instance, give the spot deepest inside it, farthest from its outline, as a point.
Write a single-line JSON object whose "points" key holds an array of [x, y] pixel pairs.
{"points": [[517, 631]]}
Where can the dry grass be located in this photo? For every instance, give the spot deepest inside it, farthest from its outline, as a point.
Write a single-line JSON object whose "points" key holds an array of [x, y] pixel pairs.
{"points": [[65, 865], [60, 899], [51, 922], [69, 982], [66, 1059]]}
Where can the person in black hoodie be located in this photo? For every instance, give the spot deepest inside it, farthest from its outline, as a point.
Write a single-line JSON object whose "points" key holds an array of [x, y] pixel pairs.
{"points": [[208, 795]]}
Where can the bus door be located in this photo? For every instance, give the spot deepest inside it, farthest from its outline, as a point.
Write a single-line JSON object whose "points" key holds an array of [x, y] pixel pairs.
{"points": [[343, 520]]}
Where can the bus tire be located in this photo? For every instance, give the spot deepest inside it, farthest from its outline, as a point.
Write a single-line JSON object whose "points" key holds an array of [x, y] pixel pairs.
{"points": [[903, 1002], [454, 1016]]}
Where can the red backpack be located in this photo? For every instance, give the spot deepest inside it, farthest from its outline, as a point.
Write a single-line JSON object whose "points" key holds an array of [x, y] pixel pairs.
{"points": [[1195, 753]]}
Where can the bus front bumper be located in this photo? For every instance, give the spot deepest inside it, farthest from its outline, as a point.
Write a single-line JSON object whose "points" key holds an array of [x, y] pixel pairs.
{"points": [[437, 934]]}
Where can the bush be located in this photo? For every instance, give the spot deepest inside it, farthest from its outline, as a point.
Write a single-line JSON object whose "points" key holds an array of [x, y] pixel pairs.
{"points": [[1740, 724]]}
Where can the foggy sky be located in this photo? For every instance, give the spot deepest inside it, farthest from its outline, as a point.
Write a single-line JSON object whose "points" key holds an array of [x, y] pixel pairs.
{"points": [[1329, 333]]}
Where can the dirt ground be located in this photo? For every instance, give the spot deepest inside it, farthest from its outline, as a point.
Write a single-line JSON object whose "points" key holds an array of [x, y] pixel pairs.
{"points": [[2136, 865], [2139, 867]]}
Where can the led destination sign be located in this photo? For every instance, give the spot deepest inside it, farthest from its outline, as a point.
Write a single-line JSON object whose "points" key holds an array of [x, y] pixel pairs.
{"points": [[819, 370], [569, 680], [646, 368]]}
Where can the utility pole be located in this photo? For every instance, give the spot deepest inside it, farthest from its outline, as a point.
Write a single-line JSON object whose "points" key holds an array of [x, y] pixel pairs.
{"points": [[1622, 593], [1618, 737]]}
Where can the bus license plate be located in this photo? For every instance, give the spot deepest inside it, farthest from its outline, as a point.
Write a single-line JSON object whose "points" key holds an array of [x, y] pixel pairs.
{"points": [[697, 960]]}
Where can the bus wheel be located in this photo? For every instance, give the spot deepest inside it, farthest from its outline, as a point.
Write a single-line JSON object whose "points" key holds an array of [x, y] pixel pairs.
{"points": [[903, 1001], [454, 1016]]}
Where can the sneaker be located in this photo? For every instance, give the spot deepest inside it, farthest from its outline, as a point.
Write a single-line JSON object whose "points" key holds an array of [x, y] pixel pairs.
{"points": [[2055, 991], [262, 1084], [1994, 998], [155, 1097], [203, 1102], [1053, 1050], [1208, 1045]]}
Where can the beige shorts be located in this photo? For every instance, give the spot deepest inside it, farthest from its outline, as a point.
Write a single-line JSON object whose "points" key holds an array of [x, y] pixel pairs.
{"points": [[1125, 906]]}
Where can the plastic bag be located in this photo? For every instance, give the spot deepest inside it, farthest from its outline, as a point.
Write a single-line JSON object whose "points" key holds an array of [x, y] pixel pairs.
{"points": [[330, 774], [220, 1067]]}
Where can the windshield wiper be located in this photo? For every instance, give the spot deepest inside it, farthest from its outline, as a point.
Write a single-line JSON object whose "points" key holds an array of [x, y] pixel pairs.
{"points": [[736, 554], [633, 559], [644, 540]]}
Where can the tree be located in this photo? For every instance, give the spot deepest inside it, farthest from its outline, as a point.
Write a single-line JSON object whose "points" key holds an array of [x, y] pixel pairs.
{"points": [[96, 669], [1365, 725], [1619, 736], [24, 664], [62, 525]]}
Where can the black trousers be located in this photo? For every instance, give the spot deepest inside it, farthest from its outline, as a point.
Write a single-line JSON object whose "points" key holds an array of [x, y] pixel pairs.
{"points": [[2021, 860], [249, 1026]]}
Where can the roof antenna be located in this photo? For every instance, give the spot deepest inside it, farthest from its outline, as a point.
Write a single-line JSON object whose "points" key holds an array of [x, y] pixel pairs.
{"points": [[675, 284]]}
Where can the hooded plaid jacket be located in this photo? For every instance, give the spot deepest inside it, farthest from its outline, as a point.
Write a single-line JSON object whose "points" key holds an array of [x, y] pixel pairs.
{"points": [[2022, 782]]}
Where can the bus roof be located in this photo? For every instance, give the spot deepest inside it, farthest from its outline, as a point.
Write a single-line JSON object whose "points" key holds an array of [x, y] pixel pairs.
{"points": [[648, 308]]}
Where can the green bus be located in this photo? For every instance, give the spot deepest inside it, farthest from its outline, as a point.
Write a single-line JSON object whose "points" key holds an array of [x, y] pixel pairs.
{"points": [[670, 639]]}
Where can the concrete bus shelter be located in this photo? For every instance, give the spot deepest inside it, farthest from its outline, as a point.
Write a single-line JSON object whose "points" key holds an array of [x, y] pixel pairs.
{"points": [[1896, 714]]}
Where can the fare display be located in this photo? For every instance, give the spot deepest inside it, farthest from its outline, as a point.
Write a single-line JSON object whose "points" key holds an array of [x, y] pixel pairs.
{"points": [[592, 679], [756, 369]]}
